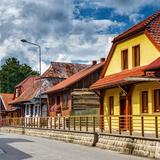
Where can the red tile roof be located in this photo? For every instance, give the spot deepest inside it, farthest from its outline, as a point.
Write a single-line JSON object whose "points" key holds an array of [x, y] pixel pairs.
{"points": [[150, 24], [154, 65], [62, 70], [29, 93], [27, 81], [31, 85], [74, 78], [6, 99], [118, 78]]}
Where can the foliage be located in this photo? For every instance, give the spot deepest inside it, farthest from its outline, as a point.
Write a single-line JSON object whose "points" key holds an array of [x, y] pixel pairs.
{"points": [[12, 73]]}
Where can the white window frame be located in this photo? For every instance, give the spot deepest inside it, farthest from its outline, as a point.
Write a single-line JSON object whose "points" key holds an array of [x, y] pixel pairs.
{"points": [[28, 107]]}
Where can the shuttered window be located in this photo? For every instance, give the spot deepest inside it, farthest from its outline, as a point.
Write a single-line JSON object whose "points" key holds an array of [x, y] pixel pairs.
{"points": [[136, 56], [145, 102], [124, 59], [111, 105], [156, 100]]}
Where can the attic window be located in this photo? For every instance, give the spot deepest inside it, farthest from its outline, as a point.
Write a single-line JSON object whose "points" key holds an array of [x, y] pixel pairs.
{"points": [[17, 92], [124, 59], [136, 56]]}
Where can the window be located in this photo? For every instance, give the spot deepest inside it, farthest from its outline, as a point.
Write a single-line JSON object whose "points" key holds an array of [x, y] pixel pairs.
{"points": [[44, 111], [124, 59], [17, 92], [36, 111], [156, 100], [111, 105], [144, 101], [65, 101], [27, 110], [136, 56]]}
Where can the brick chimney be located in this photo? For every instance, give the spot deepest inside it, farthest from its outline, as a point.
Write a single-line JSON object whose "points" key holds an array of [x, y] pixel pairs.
{"points": [[102, 60], [94, 62]]}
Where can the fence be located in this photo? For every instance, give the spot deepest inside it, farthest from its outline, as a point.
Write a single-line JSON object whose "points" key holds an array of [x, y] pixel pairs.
{"points": [[133, 125]]}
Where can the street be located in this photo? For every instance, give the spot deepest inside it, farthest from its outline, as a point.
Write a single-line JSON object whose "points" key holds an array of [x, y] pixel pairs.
{"points": [[19, 147]]}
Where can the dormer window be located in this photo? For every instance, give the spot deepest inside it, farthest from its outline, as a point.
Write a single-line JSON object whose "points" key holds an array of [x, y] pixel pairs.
{"points": [[124, 59], [17, 92], [136, 56]]}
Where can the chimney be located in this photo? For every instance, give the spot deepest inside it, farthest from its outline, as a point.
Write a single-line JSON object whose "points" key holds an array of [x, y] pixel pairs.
{"points": [[94, 62], [102, 60]]}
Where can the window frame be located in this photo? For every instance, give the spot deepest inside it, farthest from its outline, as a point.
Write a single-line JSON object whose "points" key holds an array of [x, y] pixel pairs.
{"points": [[134, 62], [124, 52], [155, 109], [147, 106], [27, 110], [65, 100]]}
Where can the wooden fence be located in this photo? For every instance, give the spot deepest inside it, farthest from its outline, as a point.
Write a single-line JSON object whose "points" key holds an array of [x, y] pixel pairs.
{"points": [[130, 125]]}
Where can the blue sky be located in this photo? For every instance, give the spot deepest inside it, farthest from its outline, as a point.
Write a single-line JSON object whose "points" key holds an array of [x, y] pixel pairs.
{"points": [[76, 31]]}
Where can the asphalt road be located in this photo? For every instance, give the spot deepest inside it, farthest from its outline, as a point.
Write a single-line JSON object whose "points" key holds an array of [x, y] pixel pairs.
{"points": [[19, 147]]}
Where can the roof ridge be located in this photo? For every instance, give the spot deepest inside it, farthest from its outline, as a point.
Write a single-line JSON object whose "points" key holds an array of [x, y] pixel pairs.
{"points": [[142, 25], [68, 63], [153, 17]]}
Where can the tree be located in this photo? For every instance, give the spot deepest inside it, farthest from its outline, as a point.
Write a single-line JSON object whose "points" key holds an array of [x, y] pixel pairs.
{"points": [[12, 73]]}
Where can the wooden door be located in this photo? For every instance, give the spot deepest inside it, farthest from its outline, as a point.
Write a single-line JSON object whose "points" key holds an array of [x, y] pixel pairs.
{"points": [[123, 113]]}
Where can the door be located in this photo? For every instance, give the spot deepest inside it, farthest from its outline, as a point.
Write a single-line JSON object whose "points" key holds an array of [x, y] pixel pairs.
{"points": [[123, 113]]}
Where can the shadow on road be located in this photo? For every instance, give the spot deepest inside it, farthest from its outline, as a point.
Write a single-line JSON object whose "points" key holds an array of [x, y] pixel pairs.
{"points": [[10, 152]]}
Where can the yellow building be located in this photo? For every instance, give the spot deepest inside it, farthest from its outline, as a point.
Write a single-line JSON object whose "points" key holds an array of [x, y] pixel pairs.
{"points": [[129, 86]]}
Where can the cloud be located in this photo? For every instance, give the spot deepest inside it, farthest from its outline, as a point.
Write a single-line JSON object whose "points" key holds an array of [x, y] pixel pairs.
{"points": [[123, 7], [51, 23], [135, 17]]}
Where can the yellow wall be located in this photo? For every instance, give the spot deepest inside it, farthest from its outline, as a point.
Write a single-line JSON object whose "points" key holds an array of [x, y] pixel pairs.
{"points": [[149, 121], [115, 92], [148, 53], [136, 106], [136, 96]]}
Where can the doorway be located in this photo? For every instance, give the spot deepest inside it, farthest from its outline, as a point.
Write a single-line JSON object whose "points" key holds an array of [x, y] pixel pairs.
{"points": [[123, 113]]}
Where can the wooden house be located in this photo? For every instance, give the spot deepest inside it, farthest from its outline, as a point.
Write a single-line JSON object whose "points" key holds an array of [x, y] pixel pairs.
{"points": [[130, 81], [6, 110], [28, 92], [73, 94]]}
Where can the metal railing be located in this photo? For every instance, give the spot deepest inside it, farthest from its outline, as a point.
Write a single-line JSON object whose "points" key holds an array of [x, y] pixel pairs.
{"points": [[128, 125]]}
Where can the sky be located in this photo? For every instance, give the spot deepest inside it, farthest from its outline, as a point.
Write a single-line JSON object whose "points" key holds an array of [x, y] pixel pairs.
{"points": [[76, 31]]}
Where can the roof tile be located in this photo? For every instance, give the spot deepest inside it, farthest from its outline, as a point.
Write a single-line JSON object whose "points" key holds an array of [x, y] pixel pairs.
{"points": [[117, 78], [75, 77], [151, 24], [62, 70], [6, 99]]}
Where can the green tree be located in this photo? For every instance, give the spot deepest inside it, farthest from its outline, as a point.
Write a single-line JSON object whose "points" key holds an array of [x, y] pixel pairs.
{"points": [[12, 73]]}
